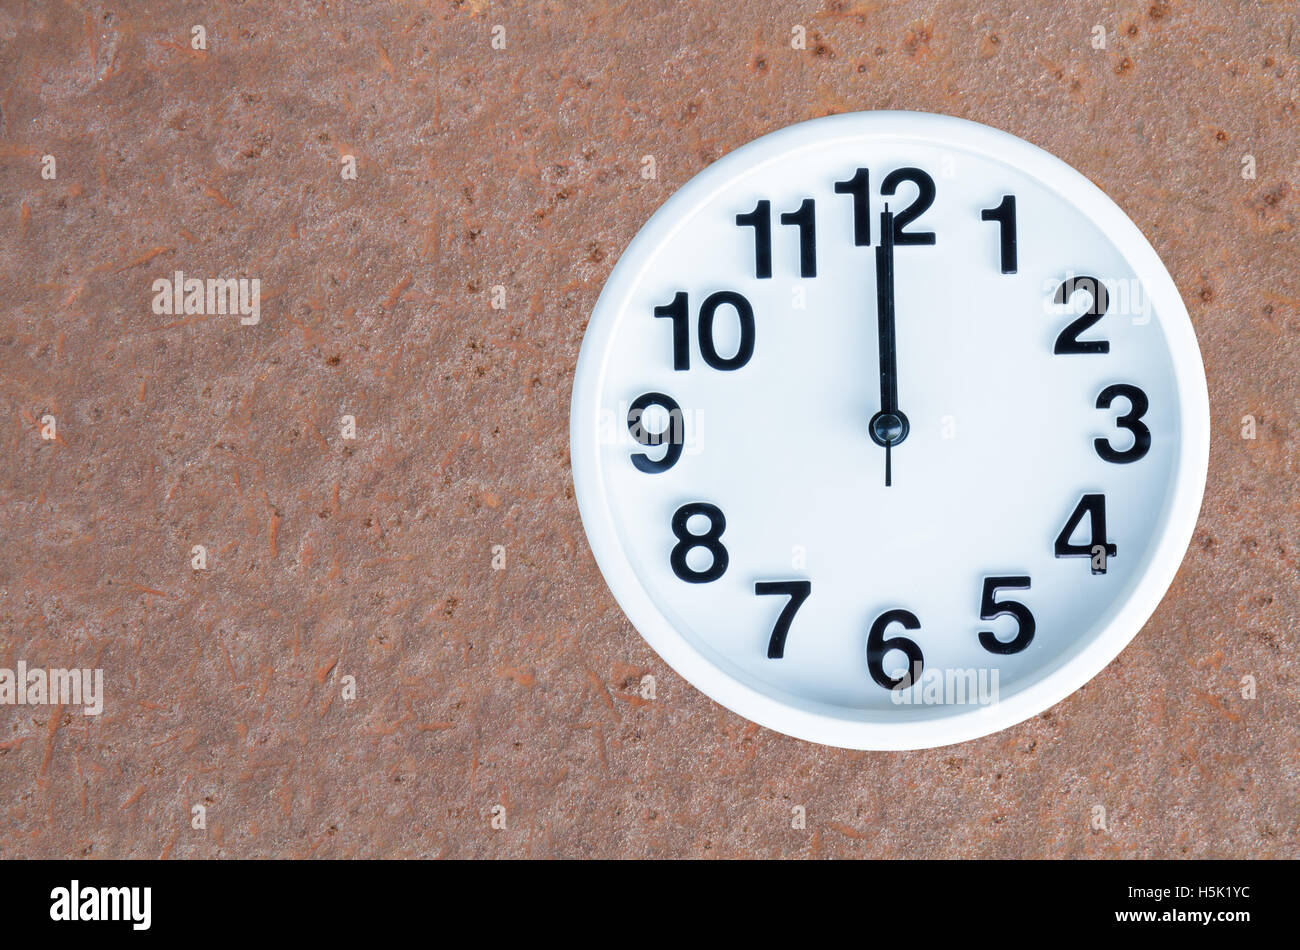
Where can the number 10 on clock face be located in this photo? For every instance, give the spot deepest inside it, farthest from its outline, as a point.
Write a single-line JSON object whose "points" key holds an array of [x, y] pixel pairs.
{"points": [[866, 408]]}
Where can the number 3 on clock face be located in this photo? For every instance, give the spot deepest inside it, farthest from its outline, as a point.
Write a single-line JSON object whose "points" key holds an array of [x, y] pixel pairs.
{"points": [[889, 430]]}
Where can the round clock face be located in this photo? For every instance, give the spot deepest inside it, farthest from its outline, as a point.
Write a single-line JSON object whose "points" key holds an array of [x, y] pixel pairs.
{"points": [[889, 430]]}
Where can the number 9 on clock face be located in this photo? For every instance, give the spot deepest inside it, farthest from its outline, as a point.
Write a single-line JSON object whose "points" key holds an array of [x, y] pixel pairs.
{"points": [[889, 430]]}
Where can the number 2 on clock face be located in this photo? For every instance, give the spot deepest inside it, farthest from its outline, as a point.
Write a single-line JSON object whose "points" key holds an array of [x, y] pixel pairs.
{"points": [[895, 409]]}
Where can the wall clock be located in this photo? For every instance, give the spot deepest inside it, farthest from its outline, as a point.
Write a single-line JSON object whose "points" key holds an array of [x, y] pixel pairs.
{"points": [[889, 430]]}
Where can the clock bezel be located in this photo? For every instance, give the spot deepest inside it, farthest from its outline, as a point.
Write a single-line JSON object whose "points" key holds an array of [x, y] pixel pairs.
{"points": [[796, 716]]}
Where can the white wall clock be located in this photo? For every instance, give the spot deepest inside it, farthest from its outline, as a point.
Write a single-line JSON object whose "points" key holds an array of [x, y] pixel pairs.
{"points": [[889, 430]]}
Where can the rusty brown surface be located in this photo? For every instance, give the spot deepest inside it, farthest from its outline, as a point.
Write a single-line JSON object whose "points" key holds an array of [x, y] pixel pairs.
{"points": [[372, 558]]}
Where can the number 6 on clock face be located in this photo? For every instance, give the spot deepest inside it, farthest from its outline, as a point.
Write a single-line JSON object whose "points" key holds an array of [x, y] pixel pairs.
{"points": [[909, 432]]}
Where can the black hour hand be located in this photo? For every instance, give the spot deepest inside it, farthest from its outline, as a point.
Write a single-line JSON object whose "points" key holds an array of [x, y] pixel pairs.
{"points": [[889, 426]]}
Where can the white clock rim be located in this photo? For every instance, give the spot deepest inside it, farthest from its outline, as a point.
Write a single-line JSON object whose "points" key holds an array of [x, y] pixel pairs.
{"points": [[971, 722]]}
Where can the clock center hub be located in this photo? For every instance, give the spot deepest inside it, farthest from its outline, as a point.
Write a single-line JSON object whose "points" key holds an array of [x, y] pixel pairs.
{"points": [[889, 428]]}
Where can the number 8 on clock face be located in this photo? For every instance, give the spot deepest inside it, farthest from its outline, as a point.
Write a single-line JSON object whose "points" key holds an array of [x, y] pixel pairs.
{"points": [[889, 430]]}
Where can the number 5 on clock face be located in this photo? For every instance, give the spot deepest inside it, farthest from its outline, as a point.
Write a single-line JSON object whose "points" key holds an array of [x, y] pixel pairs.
{"points": [[889, 430]]}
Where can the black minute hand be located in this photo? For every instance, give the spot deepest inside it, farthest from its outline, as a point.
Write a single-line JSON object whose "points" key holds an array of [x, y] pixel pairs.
{"points": [[889, 426]]}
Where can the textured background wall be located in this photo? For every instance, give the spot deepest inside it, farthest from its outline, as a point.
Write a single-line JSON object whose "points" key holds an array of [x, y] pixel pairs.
{"points": [[372, 558]]}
